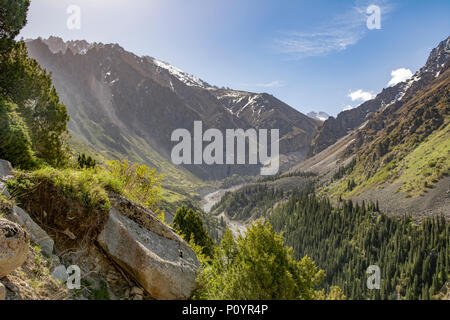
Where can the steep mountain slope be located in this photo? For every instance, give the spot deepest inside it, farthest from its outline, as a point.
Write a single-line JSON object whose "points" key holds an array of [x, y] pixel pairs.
{"points": [[335, 128], [128, 106], [400, 155], [405, 149], [265, 111]]}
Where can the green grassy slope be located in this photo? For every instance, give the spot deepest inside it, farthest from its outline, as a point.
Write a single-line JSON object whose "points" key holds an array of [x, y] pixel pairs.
{"points": [[412, 148]]}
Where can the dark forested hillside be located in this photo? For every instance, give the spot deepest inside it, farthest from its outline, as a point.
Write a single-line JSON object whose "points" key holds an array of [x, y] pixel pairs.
{"points": [[345, 240], [256, 200]]}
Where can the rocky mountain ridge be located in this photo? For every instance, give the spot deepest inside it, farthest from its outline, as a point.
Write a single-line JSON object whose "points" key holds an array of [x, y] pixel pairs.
{"points": [[335, 128], [125, 105]]}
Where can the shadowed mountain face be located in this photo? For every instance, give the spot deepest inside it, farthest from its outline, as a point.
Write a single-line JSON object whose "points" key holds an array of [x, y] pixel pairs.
{"points": [[335, 128], [128, 106]]}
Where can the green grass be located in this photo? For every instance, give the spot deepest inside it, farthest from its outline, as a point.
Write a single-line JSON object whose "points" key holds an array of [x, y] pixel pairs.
{"points": [[428, 163], [416, 172], [87, 186], [178, 185], [5, 205]]}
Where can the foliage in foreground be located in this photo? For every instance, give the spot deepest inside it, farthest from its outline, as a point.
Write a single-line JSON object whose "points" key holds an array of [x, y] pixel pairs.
{"points": [[189, 224], [86, 162], [32, 116], [258, 266], [15, 142], [13, 17], [345, 240], [90, 186], [137, 182]]}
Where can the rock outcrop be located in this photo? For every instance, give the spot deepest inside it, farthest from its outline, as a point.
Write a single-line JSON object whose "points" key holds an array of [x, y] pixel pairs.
{"points": [[6, 173], [6, 170], [335, 128], [38, 235], [133, 238], [151, 252], [14, 243], [2, 292]]}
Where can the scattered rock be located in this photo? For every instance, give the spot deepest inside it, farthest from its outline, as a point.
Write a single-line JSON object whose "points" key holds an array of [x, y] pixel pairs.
{"points": [[6, 170], [38, 235], [14, 242], [55, 260], [138, 297], [136, 291], [68, 233], [2, 292], [60, 273], [151, 256]]}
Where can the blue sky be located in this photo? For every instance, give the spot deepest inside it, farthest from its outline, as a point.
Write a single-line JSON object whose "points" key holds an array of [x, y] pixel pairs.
{"points": [[314, 55]]}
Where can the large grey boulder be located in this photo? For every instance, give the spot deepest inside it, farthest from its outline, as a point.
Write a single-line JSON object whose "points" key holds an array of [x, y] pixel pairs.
{"points": [[14, 242], [38, 235], [6, 170], [154, 255]]}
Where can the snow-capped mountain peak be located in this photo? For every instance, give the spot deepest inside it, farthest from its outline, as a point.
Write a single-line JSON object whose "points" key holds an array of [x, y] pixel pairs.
{"points": [[184, 77], [322, 116]]}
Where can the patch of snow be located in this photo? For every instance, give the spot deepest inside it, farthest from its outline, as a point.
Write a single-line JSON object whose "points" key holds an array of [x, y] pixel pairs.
{"points": [[322, 116], [184, 77], [363, 125], [251, 103]]}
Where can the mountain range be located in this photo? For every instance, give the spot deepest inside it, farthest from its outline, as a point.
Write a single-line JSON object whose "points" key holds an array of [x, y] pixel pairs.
{"points": [[393, 150], [124, 105]]}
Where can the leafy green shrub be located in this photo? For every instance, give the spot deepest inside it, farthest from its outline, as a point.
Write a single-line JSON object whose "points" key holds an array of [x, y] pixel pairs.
{"points": [[5, 205], [15, 142], [87, 186], [13, 16], [258, 266], [189, 224], [100, 293], [86, 162], [137, 182], [25, 83], [90, 186]]}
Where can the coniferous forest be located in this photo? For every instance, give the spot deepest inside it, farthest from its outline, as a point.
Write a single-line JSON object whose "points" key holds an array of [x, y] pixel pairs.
{"points": [[344, 240]]}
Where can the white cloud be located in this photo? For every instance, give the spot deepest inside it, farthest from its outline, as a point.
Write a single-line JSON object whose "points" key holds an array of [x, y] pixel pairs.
{"points": [[348, 107], [360, 95], [399, 75], [273, 84], [341, 32]]}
